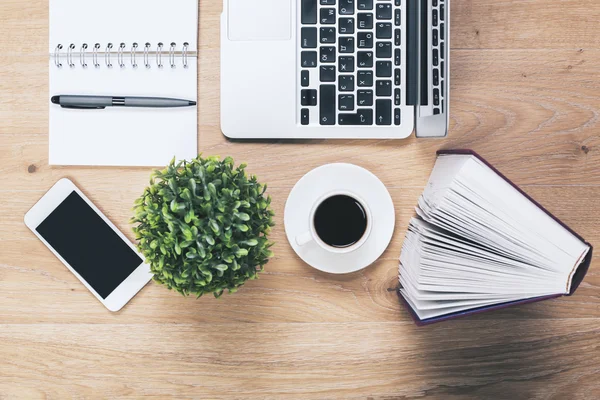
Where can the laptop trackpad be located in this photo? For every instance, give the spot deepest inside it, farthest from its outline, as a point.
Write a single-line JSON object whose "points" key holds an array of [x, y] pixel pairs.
{"points": [[252, 20]]}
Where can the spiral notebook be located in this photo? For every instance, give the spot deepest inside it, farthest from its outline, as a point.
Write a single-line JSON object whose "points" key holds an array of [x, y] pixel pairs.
{"points": [[142, 48]]}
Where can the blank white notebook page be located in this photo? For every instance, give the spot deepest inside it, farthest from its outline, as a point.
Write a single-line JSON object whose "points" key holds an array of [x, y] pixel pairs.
{"points": [[83, 62]]}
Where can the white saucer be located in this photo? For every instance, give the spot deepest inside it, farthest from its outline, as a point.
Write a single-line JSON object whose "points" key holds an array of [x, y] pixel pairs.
{"points": [[340, 177]]}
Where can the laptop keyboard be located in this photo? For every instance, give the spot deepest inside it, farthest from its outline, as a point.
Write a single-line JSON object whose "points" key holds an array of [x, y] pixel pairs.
{"points": [[438, 41], [351, 62]]}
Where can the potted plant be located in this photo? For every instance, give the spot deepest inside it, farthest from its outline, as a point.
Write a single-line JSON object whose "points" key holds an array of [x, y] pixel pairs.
{"points": [[202, 225]]}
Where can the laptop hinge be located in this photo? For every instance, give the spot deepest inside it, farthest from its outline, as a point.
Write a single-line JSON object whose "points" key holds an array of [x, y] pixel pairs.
{"points": [[412, 52]]}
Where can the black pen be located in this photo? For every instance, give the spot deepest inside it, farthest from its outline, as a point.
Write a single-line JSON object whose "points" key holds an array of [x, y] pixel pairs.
{"points": [[101, 102]]}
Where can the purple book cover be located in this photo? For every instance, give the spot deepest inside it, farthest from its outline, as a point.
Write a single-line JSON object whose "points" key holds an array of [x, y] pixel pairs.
{"points": [[577, 278]]}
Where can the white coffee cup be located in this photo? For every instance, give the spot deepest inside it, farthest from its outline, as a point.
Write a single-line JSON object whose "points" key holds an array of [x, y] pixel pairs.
{"points": [[312, 236]]}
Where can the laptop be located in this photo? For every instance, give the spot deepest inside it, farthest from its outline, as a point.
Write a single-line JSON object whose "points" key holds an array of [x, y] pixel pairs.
{"points": [[316, 69]]}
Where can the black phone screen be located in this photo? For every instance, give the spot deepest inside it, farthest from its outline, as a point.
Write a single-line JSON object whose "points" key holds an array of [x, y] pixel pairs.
{"points": [[91, 247]]}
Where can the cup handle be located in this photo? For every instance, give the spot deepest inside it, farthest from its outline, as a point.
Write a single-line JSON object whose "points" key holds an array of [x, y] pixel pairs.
{"points": [[304, 239]]}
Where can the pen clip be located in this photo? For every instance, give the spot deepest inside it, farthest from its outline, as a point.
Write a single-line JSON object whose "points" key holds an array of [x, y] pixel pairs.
{"points": [[84, 107]]}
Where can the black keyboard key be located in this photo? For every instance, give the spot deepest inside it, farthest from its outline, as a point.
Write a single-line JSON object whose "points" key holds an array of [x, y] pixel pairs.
{"points": [[442, 54], [346, 102], [397, 77], [308, 97], [346, 83], [346, 25], [365, 40], [442, 87], [346, 64], [434, 3], [397, 17], [327, 102], [365, 5], [346, 44], [365, 59], [442, 31], [304, 116], [383, 88], [309, 38], [365, 98], [442, 70], [328, 2], [398, 3], [397, 57], [436, 111], [383, 30], [397, 37], [365, 78], [436, 97], [383, 50], [384, 11], [365, 21], [397, 119], [328, 35], [328, 16], [346, 7], [327, 54], [442, 12], [305, 78], [397, 96], [435, 59], [383, 112], [308, 59], [313, 97], [362, 117], [383, 69], [436, 77], [309, 11], [434, 18], [434, 37], [327, 73]]}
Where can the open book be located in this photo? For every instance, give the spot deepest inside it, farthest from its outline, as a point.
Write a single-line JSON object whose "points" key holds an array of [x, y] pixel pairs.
{"points": [[478, 243]]}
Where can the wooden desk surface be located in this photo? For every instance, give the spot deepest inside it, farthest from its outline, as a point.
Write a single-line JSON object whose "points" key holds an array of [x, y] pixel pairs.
{"points": [[525, 95]]}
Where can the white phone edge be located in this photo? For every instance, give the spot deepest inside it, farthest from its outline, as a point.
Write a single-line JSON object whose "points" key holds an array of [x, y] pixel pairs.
{"points": [[47, 204]]}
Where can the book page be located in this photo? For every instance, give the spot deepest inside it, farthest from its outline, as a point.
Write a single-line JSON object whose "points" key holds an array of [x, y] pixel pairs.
{"points": [[123, 136], [123, 21]]}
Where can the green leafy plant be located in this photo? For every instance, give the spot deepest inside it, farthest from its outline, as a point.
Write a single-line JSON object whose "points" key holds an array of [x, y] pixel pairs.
{"points": [[202, 225]]}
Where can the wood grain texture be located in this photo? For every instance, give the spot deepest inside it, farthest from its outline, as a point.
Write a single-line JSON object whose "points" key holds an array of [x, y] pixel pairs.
{"points": [[525, 84]]}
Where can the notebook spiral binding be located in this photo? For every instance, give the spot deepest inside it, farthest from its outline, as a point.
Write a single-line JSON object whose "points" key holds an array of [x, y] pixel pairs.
{"points": [[125, 56]]}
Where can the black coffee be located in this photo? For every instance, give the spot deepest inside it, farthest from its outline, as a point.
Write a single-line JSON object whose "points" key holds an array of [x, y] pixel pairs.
{"points": [[340, 221]]}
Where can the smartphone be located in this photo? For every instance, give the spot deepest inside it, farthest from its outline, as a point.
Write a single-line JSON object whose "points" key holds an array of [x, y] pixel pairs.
{"points": [[88, 244]]}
